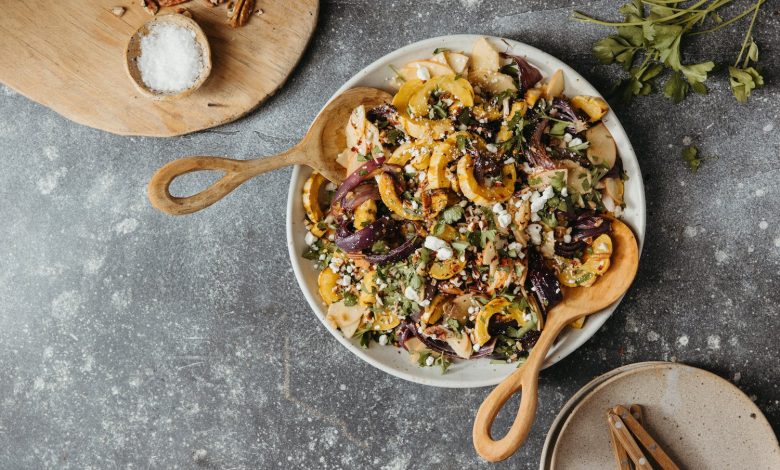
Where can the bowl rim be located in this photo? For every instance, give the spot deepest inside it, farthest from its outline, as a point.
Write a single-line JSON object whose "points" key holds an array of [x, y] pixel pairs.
{"points": [[556, 354], [201, 38]]}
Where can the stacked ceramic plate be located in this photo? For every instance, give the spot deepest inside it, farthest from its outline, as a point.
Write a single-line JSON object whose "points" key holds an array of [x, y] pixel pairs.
{"points": [[700, 419]]}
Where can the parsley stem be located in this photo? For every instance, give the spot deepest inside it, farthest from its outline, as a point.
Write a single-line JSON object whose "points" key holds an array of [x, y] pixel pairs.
{"points": [[749, 32], [727, 22], [583, 17], [674, 2]]}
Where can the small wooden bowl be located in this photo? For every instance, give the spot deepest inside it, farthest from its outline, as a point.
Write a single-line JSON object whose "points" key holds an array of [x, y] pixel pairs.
{"points": [[133, 52]]}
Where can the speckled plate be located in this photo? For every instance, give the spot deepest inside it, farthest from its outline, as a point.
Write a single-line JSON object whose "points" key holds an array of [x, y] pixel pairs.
{"points": [[566, 409], [701, 420], [475, 373]]}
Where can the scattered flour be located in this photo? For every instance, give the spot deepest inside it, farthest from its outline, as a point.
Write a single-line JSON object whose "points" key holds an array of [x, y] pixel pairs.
{"points": [[760, 192], [763, 225], [51, 152], [721, 256], [199, 455], [769, 127], [653, 336], [690, 232], [48, 183], [683, 340], [777, 242], [126, 226], [470, 3], [66, 304], [713, 342]]}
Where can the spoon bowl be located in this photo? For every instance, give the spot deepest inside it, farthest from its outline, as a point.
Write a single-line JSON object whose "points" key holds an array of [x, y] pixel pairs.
{"points": [[318, 149], [577, 302]]}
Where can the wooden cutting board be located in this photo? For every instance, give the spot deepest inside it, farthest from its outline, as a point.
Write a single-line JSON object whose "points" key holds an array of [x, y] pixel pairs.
{"points": [[69, 55]]}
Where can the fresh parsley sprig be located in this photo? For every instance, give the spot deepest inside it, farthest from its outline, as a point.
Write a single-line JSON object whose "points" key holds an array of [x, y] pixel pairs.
{"points": [[649, 41]]}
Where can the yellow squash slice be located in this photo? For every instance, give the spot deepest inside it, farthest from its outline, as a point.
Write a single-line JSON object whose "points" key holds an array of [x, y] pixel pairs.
{"points": [[391, 199], [418, 153], [368, 289], [446, 269], [495, 306], [459, 88], [479, 194], [311, 203], [385, 320], [594, 106], [443, 154], [327, 285], [365, 214], [594, 264], [433, 312]]}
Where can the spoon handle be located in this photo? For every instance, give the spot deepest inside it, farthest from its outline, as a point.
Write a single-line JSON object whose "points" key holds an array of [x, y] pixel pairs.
{"points": [[235, 172], [525, 378]]}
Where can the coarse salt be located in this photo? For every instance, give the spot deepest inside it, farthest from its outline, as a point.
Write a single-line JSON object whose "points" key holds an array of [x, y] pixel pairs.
{"points": [[171, 60]]}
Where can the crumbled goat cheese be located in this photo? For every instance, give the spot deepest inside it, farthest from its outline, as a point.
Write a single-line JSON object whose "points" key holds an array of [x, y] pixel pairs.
{"points": [[411, 294], [498, 208], [434, 243], [491, 148], [444, 253], [564, 191], [310, 238], [567, 238], [475, 347], [504, 219], [330, 186], [429, 361], [535, 232], [383, 340], [509, 161], [575, 142], [423, 73], [567, 137]]}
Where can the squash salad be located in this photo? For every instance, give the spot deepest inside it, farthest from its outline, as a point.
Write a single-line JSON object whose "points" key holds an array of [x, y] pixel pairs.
{"points": [[471, 200]]}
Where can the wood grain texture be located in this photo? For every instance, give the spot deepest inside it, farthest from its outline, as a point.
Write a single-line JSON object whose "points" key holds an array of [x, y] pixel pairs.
{"points": [[577, 302], [69, 56]]}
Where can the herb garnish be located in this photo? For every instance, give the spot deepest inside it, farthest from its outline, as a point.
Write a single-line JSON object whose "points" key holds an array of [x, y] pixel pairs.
{"points": [[654, 40]]}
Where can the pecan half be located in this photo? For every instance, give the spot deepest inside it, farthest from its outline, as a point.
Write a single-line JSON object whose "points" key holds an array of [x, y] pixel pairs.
{"points": [[241, 12], [151, 6]]}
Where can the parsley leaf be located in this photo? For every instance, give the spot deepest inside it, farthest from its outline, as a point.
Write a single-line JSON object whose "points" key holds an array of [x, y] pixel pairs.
{"points": [[452, 214]]}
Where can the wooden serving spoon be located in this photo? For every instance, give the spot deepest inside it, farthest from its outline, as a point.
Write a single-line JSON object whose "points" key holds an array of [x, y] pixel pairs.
{"points": [[318, 149], [577, 302]]}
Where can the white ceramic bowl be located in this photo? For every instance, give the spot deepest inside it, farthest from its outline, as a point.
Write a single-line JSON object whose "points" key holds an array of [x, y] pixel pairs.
{"points": [[473, 373]]}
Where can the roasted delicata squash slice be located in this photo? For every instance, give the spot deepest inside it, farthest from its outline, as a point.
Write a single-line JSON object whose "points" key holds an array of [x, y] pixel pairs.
{"points": [[595, 107], [391, 199], [458, 88], [443, 154], [614, 187], [495, 306], [595, 262], [327, 282], [311, 202], [385, 320], [365, 214], [481, 195], [418, 154], [345, 318], [417, 127], [432, 312], [446, 269], [368, 289]]}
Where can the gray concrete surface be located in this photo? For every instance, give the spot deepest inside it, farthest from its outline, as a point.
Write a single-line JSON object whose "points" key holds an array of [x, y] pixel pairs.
{"points": [[129, 339]]}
